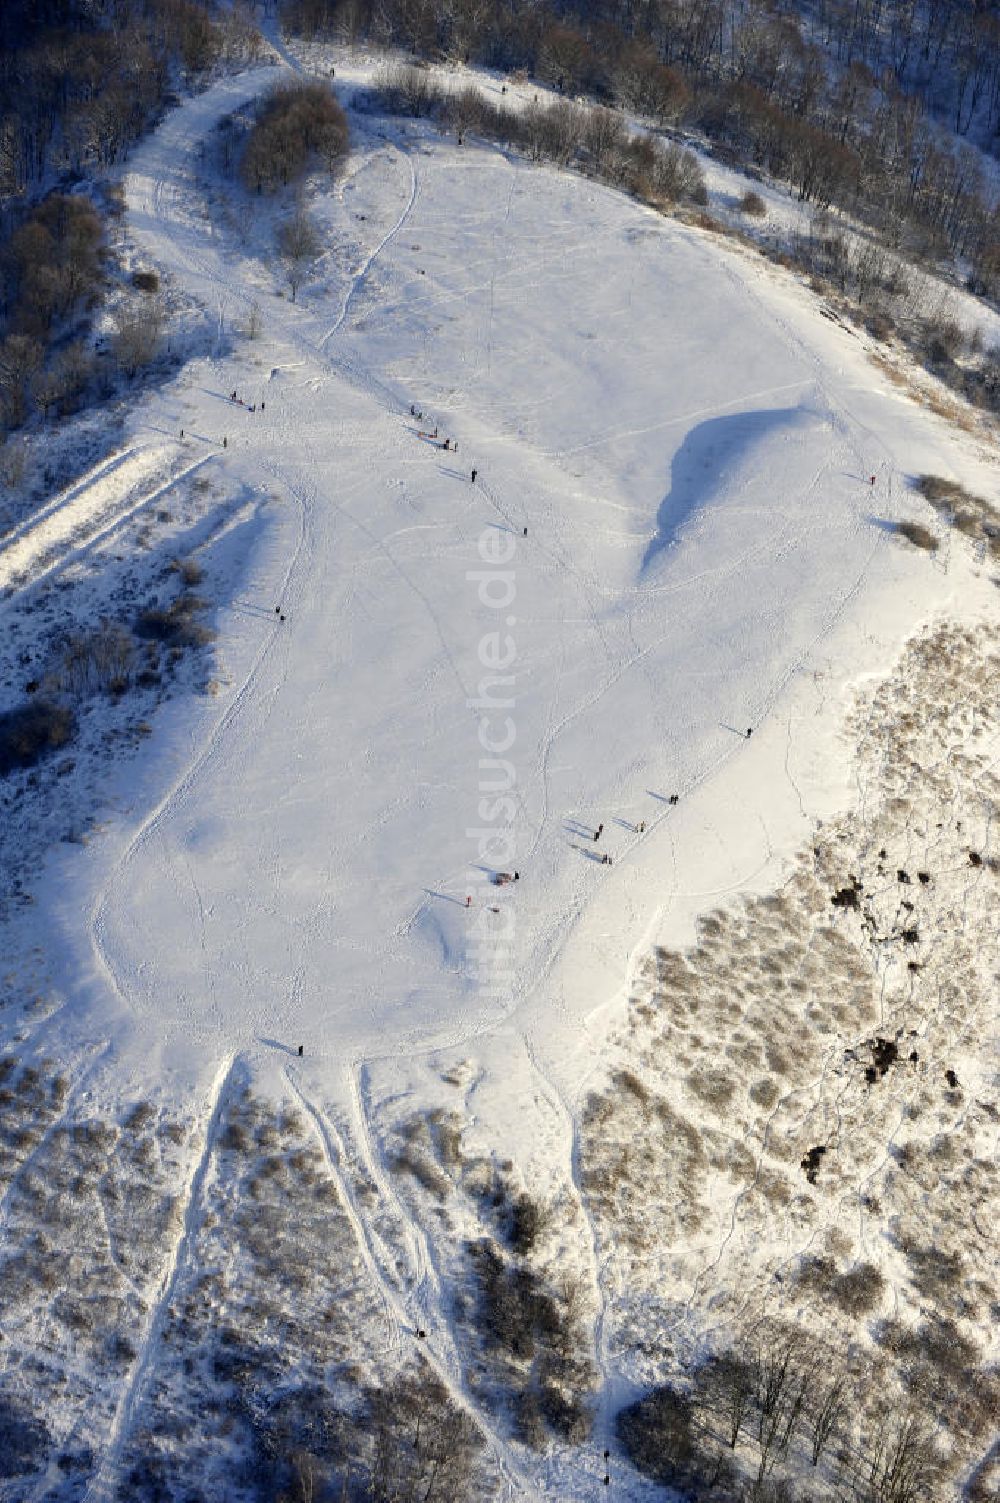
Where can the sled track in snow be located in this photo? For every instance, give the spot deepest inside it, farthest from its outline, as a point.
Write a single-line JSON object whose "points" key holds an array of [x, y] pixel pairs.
{"points": [[103, 1487], [376, 1262], [149, 826], [446, 1367], [361, 276]]}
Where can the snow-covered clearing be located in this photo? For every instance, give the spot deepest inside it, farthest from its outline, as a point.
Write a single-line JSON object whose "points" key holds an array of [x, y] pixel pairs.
{"points": [[672, 538]]}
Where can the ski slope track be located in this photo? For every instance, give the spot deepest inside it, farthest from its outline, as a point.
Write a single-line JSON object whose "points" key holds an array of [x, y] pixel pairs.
{"points": [[672, 541], [104, 1485]]}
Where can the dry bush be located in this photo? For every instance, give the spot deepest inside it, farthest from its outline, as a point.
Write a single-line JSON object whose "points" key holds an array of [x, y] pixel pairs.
{"points": [[859, 1290], [528, 1220], [917, 534], [414, 1160], [937, 1274], [628, 1082], [33, 731], [856, 1292], [175, 625], [715, 1087], [969, 514], [235, 1138], [764, 1093], [751, 203], [190, 571], [567, 1411], [24, 1440], [446, 1131], [880, 323], [94, 662]]}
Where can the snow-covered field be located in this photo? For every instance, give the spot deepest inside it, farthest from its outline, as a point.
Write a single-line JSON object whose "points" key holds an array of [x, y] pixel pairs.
{"points": [[421, 681]]}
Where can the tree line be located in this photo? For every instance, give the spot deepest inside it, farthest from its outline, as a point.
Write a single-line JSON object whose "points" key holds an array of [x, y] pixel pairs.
{"points": [[816, 104], [79, 83], [658, 172]]}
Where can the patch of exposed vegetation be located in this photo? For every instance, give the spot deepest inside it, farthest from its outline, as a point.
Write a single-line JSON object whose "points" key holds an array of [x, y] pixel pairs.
{"points": [[175, 625], [842, 1043], [971, 515]]}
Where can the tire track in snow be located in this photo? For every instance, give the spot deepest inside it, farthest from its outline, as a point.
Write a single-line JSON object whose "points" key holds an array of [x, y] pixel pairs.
{"points": [[414, 1241], [103, 1486]]}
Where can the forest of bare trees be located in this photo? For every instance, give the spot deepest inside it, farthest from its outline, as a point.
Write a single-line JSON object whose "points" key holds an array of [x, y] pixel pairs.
{"points": [[79, 84], [779, 1416]]}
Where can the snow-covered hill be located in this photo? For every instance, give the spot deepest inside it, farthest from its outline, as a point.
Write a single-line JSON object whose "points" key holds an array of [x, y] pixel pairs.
{"points": [[680, 529]]}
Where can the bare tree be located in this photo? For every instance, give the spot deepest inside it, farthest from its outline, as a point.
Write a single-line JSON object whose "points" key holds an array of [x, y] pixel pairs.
{"points": [[423, 1446], [903, 1464], [13, 464], [137, 334], [307, 1478], [299, 243], [255, 321], [20, 358], [782, 1382], [727, 1386], [825, 1412]]}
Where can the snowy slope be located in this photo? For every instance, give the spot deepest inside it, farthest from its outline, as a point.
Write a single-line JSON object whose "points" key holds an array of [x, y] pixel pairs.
{"points": [[689, 445]]}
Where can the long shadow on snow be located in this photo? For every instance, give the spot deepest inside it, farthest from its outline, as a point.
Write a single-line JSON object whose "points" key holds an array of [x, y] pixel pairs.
{"points": [[708, 453]]}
